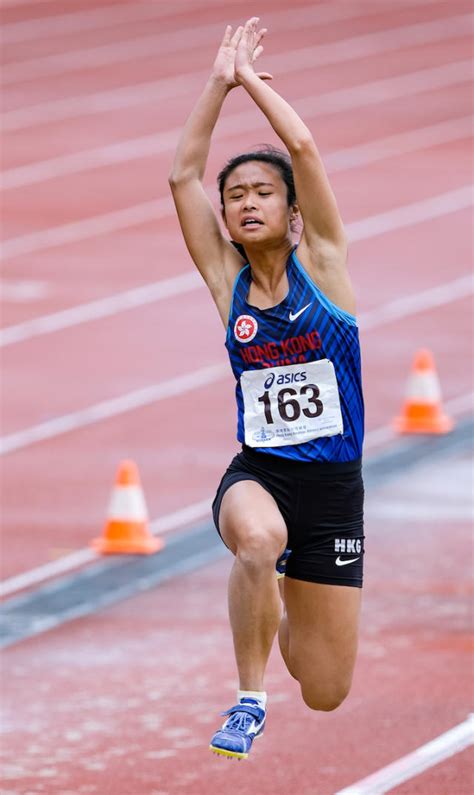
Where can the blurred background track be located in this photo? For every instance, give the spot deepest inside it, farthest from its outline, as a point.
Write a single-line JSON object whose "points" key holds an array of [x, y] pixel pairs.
{"points": [[112, 349]]}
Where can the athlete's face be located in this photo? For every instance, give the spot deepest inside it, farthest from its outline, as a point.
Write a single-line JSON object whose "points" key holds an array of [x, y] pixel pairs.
{"points": [[256, 207]]}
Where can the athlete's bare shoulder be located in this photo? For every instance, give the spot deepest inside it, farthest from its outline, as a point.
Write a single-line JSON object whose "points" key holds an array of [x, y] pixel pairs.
{"points": [[325, 262]]}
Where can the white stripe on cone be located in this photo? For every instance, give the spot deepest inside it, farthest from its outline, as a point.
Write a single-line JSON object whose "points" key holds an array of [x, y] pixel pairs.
{"points": [[424, 388], [127, 503]]}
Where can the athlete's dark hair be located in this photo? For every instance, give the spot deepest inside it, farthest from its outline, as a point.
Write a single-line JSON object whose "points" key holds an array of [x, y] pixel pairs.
{"points": [[263, 154]]}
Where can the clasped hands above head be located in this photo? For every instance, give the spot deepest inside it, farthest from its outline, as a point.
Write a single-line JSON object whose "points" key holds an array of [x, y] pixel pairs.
{"points": [[238, 52]]}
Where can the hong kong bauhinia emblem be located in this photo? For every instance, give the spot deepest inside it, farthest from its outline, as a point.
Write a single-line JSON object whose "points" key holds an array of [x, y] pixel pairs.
{"points": [[245, 328]]}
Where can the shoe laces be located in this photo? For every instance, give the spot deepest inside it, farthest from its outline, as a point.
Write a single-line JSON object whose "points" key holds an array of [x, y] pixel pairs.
{"points": [[239, 721]]}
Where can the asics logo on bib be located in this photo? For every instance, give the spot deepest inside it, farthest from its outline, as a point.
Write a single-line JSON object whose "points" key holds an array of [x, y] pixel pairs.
{"points": [[284, 378], [269, 381]]}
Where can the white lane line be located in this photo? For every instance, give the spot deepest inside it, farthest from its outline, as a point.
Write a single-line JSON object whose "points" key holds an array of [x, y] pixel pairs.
{"points": [[365, 45], [100, 157], [87, 228], [47, 570], [114, 407], [411, 214], [379, 91], [191, 280], [105, 17], [34, 3], [19, 3], [21, 291], [158, 208], [160, 526], [344, 159], [461, 404], [455, 407], [151, 145], [399, 144], [102, 307], [100, 102], [191, 513], [443, 747], [173, 41], [189, 381], [142, 213], [285, 63], [418, 302]]}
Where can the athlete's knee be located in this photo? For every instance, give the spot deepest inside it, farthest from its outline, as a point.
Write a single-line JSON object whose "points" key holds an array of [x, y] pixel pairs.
{"points": [[259, 547], [321, 688], [324, 697]]}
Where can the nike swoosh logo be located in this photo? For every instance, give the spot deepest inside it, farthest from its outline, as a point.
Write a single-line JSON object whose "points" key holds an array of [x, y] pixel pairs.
{"points": [[253, 728], [340, 562], [300, 312]]}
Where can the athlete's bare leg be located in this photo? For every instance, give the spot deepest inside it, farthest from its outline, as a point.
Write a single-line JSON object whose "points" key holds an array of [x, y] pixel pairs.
{"points": [[254, 529], [318, 639], [283, 629]]}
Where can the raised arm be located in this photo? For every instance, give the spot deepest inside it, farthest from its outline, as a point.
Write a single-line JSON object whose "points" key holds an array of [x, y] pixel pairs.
{"points": [[214, 255], [323, 247]]}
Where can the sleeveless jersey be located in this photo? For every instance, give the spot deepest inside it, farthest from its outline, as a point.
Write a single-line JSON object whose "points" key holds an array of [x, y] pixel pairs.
{"points": [[298, 372]]}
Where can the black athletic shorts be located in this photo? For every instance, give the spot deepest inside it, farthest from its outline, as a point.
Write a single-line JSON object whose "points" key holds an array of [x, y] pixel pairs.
{"points": [[322, 505]]}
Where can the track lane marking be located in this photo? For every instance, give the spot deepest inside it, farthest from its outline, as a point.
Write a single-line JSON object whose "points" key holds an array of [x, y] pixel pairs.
{"points": [[101, 308], [87, 228], [190, 513], [160, 526], [187, 282], [350, 157], [426, 756], [411, 214], [159, 208], [10, 4], [21, 291], [289, 61], [79, 21], [129, 150], [170, 42], [106, 409], [418, 302], [398, 144], [113, 407]]}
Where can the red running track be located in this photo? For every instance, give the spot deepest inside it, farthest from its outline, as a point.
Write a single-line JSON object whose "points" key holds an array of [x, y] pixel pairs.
{"points": [[125, 701], [79, 81]]}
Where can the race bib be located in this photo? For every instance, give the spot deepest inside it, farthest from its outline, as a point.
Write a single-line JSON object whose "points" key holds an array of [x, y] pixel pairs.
{"points": [[291, 405]]}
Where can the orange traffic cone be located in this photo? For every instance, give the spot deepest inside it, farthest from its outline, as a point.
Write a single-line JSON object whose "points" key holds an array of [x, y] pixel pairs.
{"points": [[126, 529], [422, 411]]}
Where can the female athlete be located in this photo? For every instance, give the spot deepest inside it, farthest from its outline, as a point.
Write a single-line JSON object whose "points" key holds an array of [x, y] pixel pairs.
{"points": [[294, 496]]}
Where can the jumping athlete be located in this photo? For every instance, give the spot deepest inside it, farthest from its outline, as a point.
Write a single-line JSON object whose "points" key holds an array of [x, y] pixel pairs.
{"points": [[294, 496]]}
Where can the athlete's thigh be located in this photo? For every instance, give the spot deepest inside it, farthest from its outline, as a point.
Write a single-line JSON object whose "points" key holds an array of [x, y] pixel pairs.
{"points": [[249, 515], [323, 623]]}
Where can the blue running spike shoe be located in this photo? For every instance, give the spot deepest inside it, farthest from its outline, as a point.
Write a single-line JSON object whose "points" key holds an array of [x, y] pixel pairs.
{"points": [[281, 563], [246, 721]]}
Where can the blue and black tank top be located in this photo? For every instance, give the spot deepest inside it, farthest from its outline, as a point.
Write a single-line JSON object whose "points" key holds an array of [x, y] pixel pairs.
{"points": [[298, 372]]}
